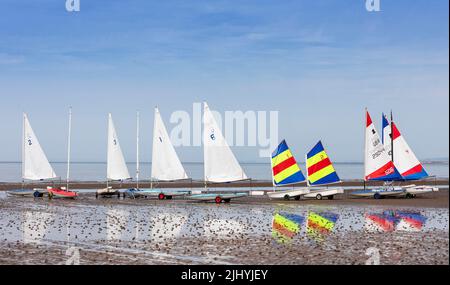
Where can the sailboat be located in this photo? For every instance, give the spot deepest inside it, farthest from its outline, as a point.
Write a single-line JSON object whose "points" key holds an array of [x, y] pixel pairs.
{"points": [[116, 167], [220, 164], [285, 172], [35, 165], [64, 192], [320, 172], [404, 158], [166, 165], [378, 165]]}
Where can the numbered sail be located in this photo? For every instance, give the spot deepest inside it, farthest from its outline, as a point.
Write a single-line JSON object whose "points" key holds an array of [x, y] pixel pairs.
{"points": [[320, 170], [220, 163], [166, 166], [377, 163], [285, 169], [404, 158], [116, 166], [35, 165]]}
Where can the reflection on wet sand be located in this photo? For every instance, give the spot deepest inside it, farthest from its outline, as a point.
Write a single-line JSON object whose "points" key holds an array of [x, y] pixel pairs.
{"points": [[395, 220], [320, 225], [200, 233]]}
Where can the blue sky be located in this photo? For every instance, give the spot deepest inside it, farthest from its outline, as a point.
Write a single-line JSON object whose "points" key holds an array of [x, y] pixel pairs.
{"points": [[317, 62]]}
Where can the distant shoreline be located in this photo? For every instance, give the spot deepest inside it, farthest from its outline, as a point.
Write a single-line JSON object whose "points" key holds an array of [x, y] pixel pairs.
{"points": [[198, 184]]}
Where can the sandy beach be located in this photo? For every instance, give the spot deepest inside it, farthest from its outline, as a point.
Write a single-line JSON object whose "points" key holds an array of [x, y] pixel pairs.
{"points": [[149, 231]]}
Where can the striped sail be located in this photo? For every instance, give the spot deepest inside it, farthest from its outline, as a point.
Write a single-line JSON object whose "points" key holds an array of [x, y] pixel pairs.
{"points": [[404, 158], [319, 168], [285, 169]]}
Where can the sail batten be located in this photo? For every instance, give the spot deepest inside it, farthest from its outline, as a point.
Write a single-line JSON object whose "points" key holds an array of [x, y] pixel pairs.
{"points": [[35, 163], [166, 165], [220, 164], [116, 165]]}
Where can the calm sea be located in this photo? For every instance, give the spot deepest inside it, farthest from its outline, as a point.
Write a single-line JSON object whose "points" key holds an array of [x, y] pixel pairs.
{"points": [[82, 171]]}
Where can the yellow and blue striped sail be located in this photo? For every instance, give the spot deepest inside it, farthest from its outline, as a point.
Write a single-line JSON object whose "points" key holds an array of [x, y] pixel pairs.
{"points": [[320, 170], [285, 169]]}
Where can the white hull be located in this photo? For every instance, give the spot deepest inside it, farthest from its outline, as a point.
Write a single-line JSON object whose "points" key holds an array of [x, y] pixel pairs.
{"points": [[319, 193], [213, 196], [382, 193], [25, 192], [107, 191], [287, 194], [414, 190]]}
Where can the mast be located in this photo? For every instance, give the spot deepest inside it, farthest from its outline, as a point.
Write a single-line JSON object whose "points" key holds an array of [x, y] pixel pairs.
{"points": [[306, 170], [23, 150], [392, 137], [137, 150], [365, 146], [68, 148]]}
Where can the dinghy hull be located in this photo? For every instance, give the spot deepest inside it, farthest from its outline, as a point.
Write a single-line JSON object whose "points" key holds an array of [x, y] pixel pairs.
{"points": [[61, 193], [321, 193], [217, 197], [377, 194], [288, 194]]}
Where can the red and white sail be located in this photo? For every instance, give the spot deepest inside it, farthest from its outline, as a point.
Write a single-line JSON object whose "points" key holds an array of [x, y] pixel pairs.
{"points": [[404, 158], [377, 163]]}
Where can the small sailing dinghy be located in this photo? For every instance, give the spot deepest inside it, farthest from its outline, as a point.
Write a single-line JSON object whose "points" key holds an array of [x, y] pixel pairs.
{"points": [[404, 159], [166, 165], [285, 172], [116, 167], [64, 192], [378, 165], [220, 164], [35, 165], [320, 172]]}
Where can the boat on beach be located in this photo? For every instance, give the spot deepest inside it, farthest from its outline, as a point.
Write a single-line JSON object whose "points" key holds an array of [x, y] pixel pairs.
{"points": [[285, 172], [166, 165], [116, 169], [320, 173], [378, 166], [319, 169], [64, 192], [220, 164], [410, 168], [35, 165]]}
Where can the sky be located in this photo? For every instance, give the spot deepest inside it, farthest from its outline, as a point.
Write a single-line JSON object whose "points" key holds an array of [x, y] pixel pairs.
{"points": [[319, 63]]}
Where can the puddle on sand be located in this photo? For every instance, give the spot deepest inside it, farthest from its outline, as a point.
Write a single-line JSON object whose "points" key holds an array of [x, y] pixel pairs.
{"points": [[235, 233]]}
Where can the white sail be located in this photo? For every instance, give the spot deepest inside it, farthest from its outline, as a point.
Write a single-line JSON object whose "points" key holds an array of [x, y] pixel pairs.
{"points": [[116, 168], [35, 165], [166, 165], [377, 163], [220, 163]]}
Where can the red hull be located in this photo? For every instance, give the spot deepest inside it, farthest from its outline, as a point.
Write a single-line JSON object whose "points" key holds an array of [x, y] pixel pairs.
{"points": [[62, 193]]}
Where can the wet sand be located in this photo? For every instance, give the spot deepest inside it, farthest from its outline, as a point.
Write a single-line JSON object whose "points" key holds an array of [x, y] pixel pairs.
{"points": [[148, 231]]}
